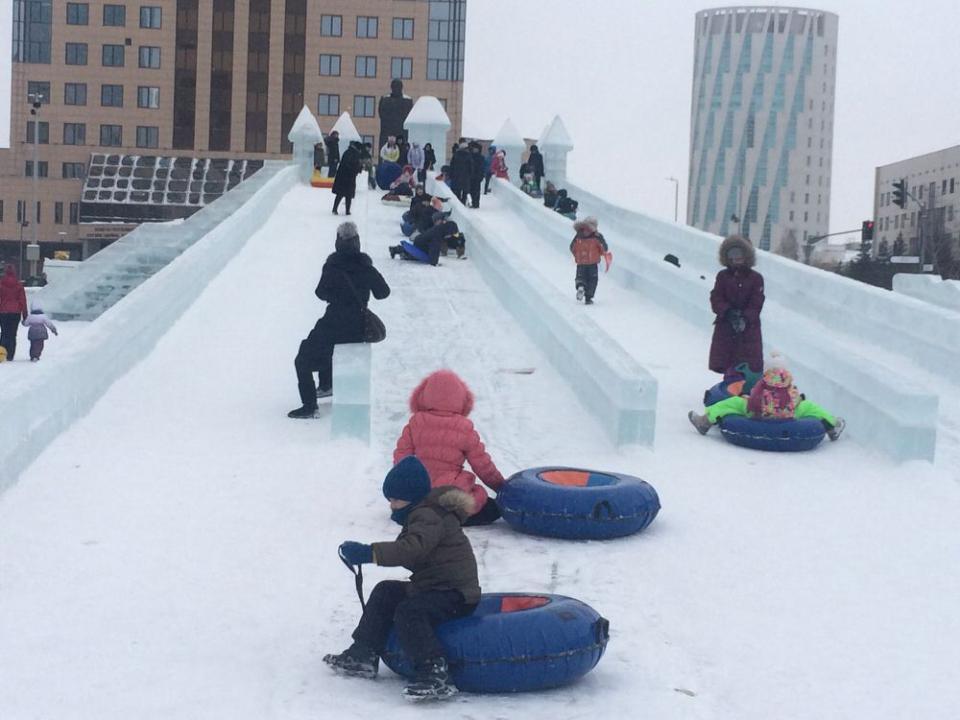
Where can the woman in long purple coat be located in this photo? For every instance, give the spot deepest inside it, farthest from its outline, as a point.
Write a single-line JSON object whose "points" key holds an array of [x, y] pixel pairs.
{"points": [[737, 299]]}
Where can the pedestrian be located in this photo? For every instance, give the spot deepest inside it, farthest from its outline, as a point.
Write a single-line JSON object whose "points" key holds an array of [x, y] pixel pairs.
{"points": [[737, 299], [345, 183], [498, 166], [429, 157], [487, 164], [319, 155], [13, 310], [444, 583], [37, 324], [476, 173], [332, 141], [346, 283], [587, 247], [461, 168], [415, 157], [535, 161]]}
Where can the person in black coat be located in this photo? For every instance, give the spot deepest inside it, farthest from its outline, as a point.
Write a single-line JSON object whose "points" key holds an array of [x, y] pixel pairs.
{"points": [[476, 173], [346, 283], [429, 157], [444, 232], [535, 161], [332, 141], [345, 184], [461, 168]]}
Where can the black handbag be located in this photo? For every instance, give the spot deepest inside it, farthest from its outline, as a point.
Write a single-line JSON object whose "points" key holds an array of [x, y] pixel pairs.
{"points": [[374, 330]]}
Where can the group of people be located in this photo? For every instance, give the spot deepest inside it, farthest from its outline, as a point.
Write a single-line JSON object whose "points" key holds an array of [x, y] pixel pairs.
{"points": [[559, 201], [13, 313], [430, 229]]}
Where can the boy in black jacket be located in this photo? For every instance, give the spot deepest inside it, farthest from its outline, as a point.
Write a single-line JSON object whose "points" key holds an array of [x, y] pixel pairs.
{"points": [[443, 585]]}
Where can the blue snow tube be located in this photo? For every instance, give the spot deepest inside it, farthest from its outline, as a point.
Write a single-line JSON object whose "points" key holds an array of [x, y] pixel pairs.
{"points": [[387, 172], [414, 252], [515, 642], [774, 435], [577, 504]]}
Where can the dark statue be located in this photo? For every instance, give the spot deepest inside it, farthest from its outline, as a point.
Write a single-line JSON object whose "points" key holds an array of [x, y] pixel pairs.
{"points": [[393, 109]]}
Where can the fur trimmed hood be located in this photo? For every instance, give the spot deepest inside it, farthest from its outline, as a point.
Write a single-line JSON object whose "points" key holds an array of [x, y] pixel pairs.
{"points": [[442, 391], [736, 241], [453, 499], [588, 223]]}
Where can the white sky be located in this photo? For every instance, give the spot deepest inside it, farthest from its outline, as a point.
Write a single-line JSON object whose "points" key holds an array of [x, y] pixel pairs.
{"points": [[598, 63]]}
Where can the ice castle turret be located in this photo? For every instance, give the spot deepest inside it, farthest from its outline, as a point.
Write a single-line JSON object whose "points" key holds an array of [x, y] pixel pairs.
{"points": [[511, 142], [555, 145], [304, 134], [428, 122], [348, 132]]}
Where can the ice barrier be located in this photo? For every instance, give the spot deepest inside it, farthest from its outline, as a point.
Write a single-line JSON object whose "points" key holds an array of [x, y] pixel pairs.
{"points": [[621, 394], [931, 289], [58, 394], [107, 277], [351, 391], [818, 319]]}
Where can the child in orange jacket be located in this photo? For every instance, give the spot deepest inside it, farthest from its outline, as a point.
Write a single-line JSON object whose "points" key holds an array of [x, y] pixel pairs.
{"points": [[587, 247]]}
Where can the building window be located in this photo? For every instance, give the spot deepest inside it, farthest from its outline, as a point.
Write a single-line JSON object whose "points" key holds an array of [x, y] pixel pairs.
{"points": [[74, 134], [113, 56], [951, 184], [58, 213], [148, 136], [403, 28], [43, 138], [401, 68], [943, 190], [78, 13], [111, 135], [148, 97], [38, 91], [366, 66], [74, 213], [21, 211], [41, 165], [150, 17], [114, 15], [367, 27], [328, 104], [331, 25], [363, 105], [111, 95], [76, 54], [791, 216], [75, 94], [32, 31], [149, 56], [37, 214], [1, 211], [330, 65], [367, 139], [443, 103], [73, 170]]}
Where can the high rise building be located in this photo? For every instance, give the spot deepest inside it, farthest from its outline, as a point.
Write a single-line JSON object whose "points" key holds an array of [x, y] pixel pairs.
{"points": [[213, 79], [761, 136]]}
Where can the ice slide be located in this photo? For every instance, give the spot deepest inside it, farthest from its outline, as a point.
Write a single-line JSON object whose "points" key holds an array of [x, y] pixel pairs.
{"points": [[172, 555]]}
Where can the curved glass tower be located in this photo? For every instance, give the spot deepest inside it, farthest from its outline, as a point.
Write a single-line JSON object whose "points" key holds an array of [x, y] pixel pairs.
{"points": [[761, 130]]}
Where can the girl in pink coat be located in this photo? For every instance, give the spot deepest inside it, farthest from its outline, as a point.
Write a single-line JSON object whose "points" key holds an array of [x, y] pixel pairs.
{"points": [[442, 437]]}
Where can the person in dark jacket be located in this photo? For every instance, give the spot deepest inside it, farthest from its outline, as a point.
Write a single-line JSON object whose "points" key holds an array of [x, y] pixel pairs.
{"points": [[443, 233], [535, 161], [345, 183], [736, 300], [550, 196], [429, 157], [319, 155], [444, 584], [461, 168], [13, 310], [332, 141], [566, 205], [476, 173], [346, 283]]}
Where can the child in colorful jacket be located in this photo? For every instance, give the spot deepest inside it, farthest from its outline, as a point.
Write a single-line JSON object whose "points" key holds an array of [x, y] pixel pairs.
{"points": [[498, 166], [774, 397], [587, 247], [442, 437], [37, 324]]}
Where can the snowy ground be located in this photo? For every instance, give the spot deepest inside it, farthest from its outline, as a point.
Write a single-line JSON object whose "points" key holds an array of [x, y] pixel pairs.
{"points": [[174, 554]]}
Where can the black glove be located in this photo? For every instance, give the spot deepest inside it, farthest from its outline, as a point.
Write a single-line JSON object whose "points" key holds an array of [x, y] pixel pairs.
{"points": [[737, 321]]}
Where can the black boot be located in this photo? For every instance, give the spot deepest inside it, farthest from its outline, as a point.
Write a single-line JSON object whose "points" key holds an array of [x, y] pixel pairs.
{"points": [[303, 413], [358, 660], [432, 682]]}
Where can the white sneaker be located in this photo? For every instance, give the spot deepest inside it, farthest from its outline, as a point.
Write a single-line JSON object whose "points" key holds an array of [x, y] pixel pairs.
{"points": [[580, 293]]}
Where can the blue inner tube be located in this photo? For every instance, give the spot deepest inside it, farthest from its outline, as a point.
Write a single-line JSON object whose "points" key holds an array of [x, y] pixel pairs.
{"points": [[515, 642], [574, 503], [414, 252], [772, 435], [387, 172]]}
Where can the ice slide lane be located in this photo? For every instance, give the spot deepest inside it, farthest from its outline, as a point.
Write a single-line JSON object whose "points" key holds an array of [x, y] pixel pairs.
{"points": [[173, 553]]}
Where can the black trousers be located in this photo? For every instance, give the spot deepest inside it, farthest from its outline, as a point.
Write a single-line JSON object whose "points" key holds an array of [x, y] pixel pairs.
{"points": [[338, 198], [488, 513], [9, 324], [587, 276], [332, 169], [461, 193], [316, 356], [475, 192], [414, 616], [486, 182]]}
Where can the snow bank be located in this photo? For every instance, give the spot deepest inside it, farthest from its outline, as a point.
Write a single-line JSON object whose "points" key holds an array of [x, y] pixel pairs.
{"points": [[820, 320], [929, 288], [621, 394], [61, 393]]}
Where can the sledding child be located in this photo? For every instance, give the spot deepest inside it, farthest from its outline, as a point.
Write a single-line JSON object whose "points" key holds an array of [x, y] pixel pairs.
{"points": [[37, 324], [443, 585], [587, 247], [774, 397], [442, 436]]}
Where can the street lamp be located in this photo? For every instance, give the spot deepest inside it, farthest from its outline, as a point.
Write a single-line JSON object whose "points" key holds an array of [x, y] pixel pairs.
{"points": [[36, 102], [23, 223], [676, 197]]}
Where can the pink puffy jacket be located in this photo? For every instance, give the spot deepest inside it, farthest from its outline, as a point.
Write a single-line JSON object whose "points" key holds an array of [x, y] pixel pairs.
{"points": [[442, 437]]}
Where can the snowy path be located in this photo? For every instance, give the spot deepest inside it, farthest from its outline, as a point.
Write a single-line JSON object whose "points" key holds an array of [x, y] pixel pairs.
{"points": [[173, 554]]}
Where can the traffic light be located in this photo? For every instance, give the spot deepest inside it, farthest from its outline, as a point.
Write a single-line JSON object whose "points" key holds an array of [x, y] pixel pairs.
{"points": [[866, 230], [900, 193]]}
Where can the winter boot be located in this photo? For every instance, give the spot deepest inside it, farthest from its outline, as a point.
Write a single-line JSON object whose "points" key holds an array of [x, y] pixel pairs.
{"points": [[324, 393], [833, 432], [302, 413], [700, 422], [358, 660], [461, 252], [432, 682], [395, 250], [581, 291], [588, 301]]}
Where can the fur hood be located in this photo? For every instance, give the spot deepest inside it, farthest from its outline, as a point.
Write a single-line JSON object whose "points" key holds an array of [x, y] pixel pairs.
{"points": [[450, 498], [588, 223], [735, 241], [442, 391]]}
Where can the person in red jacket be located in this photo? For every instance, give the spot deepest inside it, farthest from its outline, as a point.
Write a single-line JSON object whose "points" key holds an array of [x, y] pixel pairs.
{"points": [[442, 437], [587, 247], [13, 310]]}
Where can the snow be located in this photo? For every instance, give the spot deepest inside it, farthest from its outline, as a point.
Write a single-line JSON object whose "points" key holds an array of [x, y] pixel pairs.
{"points": [[173, 554], [508, 137], [305, 128], [427, 110], [929, 288], [557, 136]]}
